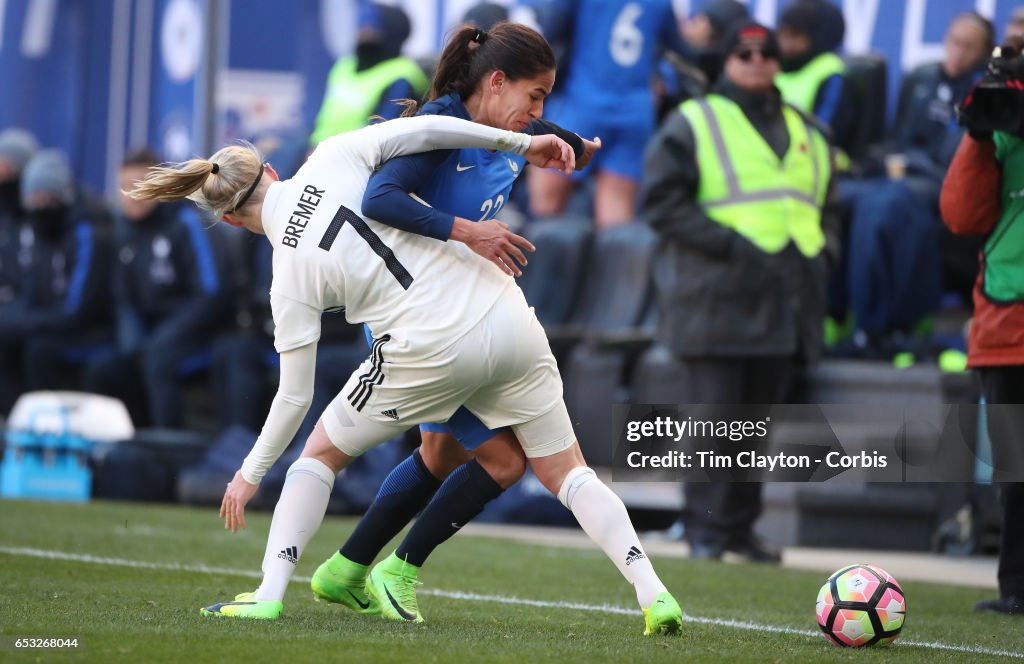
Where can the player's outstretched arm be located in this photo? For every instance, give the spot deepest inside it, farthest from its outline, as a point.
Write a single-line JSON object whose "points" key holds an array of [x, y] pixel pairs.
{"points": [[294, 395], [423, 133]]}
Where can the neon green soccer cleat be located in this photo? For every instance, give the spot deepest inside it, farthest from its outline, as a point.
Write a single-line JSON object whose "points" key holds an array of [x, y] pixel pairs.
{"points": [[340, 581], [246, 606], [392, 582], [664, 616]]}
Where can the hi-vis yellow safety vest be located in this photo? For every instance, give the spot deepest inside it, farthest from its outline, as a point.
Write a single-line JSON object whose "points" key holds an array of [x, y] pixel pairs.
{"points": [[744, 185], [800, 87], [353, 95]]}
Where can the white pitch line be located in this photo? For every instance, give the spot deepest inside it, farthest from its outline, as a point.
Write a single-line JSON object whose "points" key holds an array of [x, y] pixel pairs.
{"points": [[499, 599]]}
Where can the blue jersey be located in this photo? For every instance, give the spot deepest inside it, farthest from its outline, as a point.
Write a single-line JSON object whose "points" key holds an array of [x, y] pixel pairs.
{"points": [[468, 183], [613, 50]]}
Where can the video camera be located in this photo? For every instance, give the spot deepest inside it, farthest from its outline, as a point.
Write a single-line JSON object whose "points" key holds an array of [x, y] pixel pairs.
{"points": [[996, 102]]}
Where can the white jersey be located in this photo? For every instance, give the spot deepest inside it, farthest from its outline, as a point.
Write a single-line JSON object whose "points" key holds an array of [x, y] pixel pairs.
{"points": [[420, 291]]}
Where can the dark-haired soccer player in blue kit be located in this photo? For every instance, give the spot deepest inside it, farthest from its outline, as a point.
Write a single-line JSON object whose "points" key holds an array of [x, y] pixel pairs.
{"points": [[474, 186]]}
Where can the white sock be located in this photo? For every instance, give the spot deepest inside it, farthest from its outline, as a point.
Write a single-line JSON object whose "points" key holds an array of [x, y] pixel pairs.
{"points": [[297, 516], [604, 519]]}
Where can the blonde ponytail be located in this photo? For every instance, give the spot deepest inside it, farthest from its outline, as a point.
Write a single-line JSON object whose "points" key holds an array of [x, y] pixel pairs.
{"points": [[217, 184]]}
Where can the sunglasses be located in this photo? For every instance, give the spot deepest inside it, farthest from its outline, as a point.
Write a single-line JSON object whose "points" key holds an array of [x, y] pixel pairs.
{"points": [[747, 54]]}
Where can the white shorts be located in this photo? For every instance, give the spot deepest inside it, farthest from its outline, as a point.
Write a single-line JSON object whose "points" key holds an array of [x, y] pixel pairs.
{"points": [[502, 370]]}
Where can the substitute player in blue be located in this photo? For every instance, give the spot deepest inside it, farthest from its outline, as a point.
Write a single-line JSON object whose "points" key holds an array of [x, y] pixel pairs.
{"points": [[499, 78], [612, 53]]}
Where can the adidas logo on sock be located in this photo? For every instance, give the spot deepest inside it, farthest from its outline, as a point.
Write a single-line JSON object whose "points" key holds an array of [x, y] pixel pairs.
{"points": [[391, 412], [634, 555], [291, 554]]}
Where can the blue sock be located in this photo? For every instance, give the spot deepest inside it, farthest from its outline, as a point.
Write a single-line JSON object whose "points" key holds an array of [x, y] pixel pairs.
{"points": [[461, 498], [404, 492]]}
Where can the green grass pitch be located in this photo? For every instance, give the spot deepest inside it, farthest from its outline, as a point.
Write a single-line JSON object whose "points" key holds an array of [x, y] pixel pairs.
{"points": [[128, 580]]}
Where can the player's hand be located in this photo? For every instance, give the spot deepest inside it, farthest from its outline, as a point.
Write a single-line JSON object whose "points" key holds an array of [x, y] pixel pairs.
{"points": [[549, 151], [494, 241], [589, 148], [236, 496]]}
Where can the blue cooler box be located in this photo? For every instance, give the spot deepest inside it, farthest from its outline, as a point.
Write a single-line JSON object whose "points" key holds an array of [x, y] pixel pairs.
{"points": [[50, 438], [46, 466]]}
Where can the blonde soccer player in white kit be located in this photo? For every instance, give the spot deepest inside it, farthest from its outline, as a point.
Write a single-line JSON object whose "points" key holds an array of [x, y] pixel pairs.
{"points": [[450, 329]]}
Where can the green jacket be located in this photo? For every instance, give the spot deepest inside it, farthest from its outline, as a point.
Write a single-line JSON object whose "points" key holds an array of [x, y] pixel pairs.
{"points": [[1004, 248]]}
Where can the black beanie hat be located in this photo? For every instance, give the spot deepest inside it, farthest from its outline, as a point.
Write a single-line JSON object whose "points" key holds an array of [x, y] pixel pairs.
{"points": [[799, 17], [819, 20], [394, 25]]}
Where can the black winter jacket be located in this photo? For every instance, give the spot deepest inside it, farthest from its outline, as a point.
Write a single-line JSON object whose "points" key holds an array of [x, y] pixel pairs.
{"points": [[173, 280], [66, 287]]}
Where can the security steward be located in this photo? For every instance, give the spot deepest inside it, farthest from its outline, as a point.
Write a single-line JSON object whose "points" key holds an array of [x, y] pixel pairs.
{"points": [[738, 186], [813, 76], [366, 84]]}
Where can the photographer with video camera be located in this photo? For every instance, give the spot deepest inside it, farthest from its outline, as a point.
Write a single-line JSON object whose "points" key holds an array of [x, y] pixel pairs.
{"points": [[983, 194]]}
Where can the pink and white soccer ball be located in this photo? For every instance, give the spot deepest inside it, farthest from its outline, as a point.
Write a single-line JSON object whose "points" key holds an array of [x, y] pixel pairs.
{"points": [[861, 605]]}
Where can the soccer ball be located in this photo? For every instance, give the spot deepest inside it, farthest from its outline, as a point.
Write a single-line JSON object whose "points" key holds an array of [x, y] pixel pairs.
{"points": [[861, 605]]}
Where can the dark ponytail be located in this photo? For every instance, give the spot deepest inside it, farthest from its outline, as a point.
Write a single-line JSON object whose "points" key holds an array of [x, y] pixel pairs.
{"points": [[471, 54]]}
